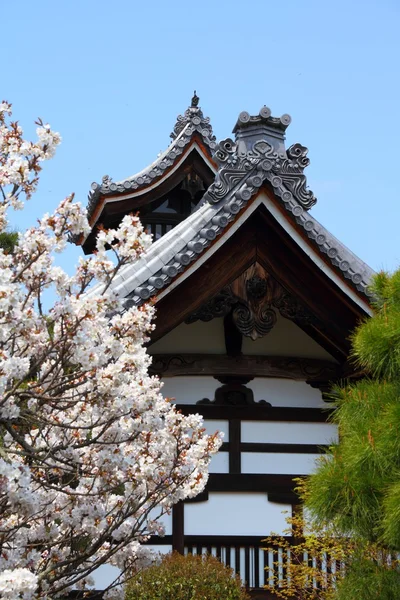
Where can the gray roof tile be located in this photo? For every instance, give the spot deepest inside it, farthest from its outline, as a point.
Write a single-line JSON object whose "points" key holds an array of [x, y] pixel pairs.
{"points": [[244, 166], [187, 125]]}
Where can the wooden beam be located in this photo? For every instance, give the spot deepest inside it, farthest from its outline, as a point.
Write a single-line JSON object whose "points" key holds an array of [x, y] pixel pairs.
{"points": [[307, 262], [285, 367], [234, 257], [297, 273], [283, 448], [258, 412], [215, 540], [250, 482], [262, 239], [178, 527], [234, 446], [233, 337]]}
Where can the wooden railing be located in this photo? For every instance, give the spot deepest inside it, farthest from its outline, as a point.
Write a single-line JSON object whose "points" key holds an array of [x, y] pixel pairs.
{"points": [[244, 554], [256, 566], [248, 559]]}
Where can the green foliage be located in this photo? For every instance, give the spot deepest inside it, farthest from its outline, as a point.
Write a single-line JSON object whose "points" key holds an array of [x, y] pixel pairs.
{"points": [[391, 518], [305, 567], [8, 240], [376, 343], [357, 485], [186, 578], [354, 478], [369, 580]]}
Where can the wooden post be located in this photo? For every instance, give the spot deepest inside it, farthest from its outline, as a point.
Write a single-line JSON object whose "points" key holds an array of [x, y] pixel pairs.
{"points": [[235, 466], [178, 528]]}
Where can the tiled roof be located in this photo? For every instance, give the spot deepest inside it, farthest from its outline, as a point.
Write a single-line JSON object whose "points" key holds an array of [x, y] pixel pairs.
{"points": [[189, 124], [257, 156]]}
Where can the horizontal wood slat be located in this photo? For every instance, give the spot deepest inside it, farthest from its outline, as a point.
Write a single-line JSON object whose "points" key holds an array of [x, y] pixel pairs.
{"points": [[283, 448], [277, 448], [257, 413], [286, 367]]}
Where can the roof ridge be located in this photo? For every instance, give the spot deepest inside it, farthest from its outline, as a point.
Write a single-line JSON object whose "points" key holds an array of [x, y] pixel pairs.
{"points": [[192, 122], [242, 171]]}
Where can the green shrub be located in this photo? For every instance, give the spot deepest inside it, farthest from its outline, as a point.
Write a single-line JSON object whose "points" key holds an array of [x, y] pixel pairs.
{"points": [[189, 577]]}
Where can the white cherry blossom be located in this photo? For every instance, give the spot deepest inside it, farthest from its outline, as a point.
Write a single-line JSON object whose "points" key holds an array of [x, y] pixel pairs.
{"points": [[88, 445]]}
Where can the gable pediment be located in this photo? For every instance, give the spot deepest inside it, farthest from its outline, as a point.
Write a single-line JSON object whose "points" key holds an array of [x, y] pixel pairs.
{"points": [[296, 288], [253, 306], [255, 212]]}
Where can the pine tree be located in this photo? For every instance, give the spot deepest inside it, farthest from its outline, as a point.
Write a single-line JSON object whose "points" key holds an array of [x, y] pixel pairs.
{"points": [[357, 485], [8, 240]]}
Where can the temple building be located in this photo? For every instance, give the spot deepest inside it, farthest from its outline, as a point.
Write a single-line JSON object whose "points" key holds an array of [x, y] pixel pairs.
{"points": [[255, 303]]}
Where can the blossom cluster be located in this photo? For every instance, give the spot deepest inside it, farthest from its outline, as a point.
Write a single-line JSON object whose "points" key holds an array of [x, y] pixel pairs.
{"points": [[89, 447]]}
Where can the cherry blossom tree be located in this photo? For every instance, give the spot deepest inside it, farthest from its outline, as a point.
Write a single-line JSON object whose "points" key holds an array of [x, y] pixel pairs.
{"points": [[88, 445]]}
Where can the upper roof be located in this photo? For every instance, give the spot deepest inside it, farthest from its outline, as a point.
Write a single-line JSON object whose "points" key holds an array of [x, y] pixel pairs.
{"points": [[257, 159], [192, 133]]}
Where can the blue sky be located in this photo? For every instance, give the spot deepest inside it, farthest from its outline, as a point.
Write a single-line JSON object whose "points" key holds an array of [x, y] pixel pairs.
{"points": [[111, 77]]}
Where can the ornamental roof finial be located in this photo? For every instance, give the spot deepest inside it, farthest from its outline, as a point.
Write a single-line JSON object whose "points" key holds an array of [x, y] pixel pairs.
{"points": [[195, 100]]}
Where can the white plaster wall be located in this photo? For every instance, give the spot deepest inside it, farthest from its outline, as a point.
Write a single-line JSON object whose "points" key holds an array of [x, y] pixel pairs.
{"points": [[235, 513], [213, 425], [219, 463], [279, 392], [188, 390], [276, 463], [197, 338], [285, 339], [286, 432], [286, 392]]}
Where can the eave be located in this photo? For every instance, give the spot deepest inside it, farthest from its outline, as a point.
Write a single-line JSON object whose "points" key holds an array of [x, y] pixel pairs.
{"points": [[192, 136], [256, 177], [111, 207]]}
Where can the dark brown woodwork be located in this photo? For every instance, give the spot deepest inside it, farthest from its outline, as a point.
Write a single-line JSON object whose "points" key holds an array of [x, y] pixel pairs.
{"points": [[233, 393], [261, 239], [233, 337], [251, 482], [260, 412], [251, 304], [214, 540], [234, 446], [110, 214], [283, 497], [276, 486], [283, 448], [224, 266], [178, 527], [296, 272], [256, 570], [285, 367], [326, 388]]}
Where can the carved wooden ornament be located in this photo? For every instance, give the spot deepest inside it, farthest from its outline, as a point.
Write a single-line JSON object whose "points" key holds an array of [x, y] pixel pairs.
{"points": [[253, 299]]}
